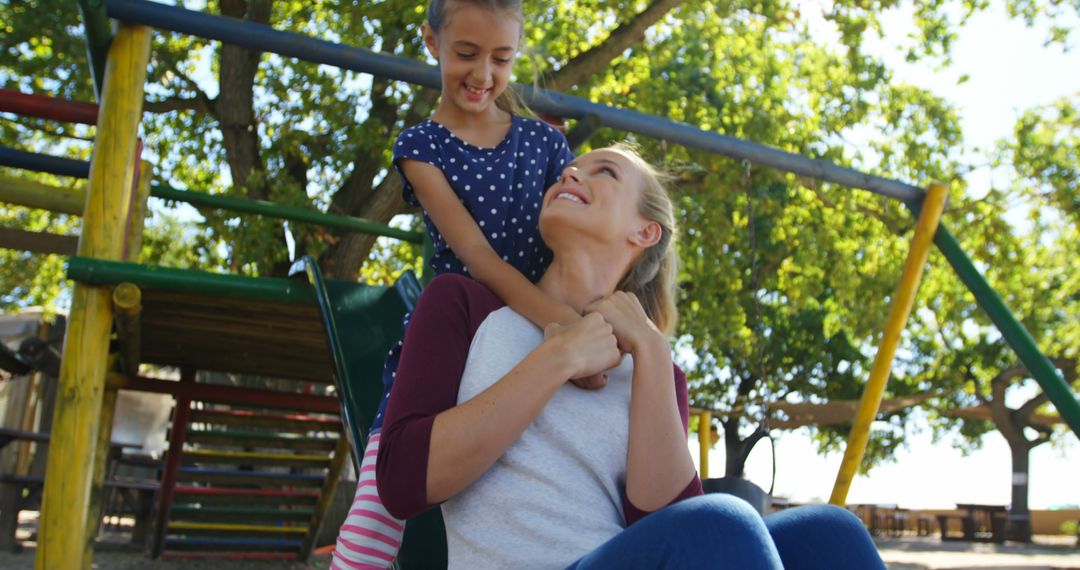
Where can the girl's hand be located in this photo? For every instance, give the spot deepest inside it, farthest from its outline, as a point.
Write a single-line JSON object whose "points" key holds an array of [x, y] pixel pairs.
{"points": [[632, 327], [589, 346]]}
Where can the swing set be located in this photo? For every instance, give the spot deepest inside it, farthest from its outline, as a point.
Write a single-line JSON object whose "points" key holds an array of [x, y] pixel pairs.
{"points": [[115, 198]]}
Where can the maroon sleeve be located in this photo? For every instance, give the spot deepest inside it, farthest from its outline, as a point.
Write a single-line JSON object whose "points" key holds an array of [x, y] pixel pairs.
{"points": [[432, 361], [693, 489]]}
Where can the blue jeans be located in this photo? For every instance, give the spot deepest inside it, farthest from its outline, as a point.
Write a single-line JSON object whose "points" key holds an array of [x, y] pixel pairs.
{"points": [[719, 531]]}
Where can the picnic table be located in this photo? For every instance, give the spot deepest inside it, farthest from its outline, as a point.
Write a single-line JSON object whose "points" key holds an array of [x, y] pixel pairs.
{"points": [[978, 523]]}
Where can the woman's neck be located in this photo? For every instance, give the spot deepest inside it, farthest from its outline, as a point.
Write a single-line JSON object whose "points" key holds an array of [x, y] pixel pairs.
{"points": [[579, 279]]}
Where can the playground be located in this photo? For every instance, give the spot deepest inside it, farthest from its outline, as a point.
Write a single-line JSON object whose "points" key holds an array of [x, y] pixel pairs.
{"points": [[207, 419]]}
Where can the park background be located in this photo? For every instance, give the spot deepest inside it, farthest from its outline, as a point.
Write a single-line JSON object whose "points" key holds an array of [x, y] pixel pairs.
{"points": [[931, 99]]}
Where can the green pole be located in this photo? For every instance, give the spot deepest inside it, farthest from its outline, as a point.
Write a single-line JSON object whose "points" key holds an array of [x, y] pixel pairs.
{"points": [[100, 272], [273, 210], [1011, 330], [98, 37]]}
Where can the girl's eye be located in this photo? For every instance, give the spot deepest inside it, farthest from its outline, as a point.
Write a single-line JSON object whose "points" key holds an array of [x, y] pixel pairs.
{"points": [[502, 60], [466, 55], [608, 170]]}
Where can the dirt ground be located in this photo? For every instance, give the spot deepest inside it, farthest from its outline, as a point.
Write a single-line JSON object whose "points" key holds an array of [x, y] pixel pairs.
{"points": [[908, 553]]}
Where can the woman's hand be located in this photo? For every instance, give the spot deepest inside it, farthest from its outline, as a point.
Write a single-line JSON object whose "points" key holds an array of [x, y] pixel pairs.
{"points": [[589, 347], [632, 327]]}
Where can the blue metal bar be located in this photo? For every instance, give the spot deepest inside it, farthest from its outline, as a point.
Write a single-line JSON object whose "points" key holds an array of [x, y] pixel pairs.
{"points": [[264, 38], [44, 163]]}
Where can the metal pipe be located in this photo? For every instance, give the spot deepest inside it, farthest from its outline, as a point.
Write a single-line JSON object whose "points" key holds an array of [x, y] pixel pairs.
{"points": [[902, 302], [261, 37], [99, 36], [44, 163], [272, 210], [22, 192], [101, 272], [1011, 329], [62, 530], [46, 107], [27, 191]]}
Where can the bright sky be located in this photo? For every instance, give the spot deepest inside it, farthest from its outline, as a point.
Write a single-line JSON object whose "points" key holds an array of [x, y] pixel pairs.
{"points": [[1010, 70]]}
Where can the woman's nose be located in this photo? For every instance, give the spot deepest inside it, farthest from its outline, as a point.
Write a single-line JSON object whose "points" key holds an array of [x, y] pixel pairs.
{"points": [[570, 173]]}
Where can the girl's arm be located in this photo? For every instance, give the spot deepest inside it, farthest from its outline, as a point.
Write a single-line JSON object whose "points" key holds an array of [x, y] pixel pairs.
{"points": [[469, 244], [659, 469]]}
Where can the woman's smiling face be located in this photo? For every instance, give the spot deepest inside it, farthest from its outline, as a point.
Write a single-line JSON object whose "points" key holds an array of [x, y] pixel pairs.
{"points": [[598, 194], [476, 48]]}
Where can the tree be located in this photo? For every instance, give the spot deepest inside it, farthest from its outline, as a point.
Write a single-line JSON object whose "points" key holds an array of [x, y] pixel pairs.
{"points": [[788, 306]]}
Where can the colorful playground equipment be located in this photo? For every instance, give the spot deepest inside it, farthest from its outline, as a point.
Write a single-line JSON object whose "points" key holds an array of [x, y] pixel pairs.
{"points": [[291, 329]]}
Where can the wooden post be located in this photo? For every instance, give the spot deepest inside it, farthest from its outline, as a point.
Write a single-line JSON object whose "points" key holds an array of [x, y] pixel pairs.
{"points": [[704, 434], [101, 463], [62, 535]]}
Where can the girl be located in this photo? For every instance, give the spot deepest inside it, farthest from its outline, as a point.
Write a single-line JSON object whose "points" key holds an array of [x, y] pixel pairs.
{"points": [[479, 171]]}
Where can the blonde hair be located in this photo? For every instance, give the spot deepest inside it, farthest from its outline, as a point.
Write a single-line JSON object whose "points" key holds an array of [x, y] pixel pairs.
{"points": [[438, 13], [653, 276]]}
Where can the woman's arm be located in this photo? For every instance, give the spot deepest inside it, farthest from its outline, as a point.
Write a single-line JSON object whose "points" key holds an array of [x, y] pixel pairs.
{"points": [[432, 448], [658, 464], [472, 248], [467, 439]]}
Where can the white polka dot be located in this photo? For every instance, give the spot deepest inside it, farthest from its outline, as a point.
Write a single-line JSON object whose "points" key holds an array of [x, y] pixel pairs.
{"points": [[492, 186], [494, 235], [502, 176], [432, 147], [453, 160], [481, 198], [467, 187], [513, 220], [494, 211], [415, 151], [530, 240], [521, 254], [481, 223], [479, 176], [454, 178], [464, 166]]}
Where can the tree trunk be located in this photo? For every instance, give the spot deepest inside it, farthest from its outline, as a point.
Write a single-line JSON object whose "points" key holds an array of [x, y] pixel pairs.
{"points": [[1019, 526]]}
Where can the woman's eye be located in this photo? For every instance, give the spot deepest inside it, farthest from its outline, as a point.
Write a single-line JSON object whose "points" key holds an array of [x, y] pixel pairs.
{"points": [[607, 170]]}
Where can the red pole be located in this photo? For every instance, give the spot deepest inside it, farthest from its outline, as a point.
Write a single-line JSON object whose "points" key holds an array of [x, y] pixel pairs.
{"points": [[45, 107], [172, 462]]}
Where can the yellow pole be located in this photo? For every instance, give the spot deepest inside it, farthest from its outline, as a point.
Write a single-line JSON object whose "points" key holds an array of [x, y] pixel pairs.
{"points": [[62, 530], [903, 300], [704, 435]]}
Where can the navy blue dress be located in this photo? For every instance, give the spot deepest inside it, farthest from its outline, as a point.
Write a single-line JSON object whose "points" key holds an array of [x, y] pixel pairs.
{"points": [[501, 187]]}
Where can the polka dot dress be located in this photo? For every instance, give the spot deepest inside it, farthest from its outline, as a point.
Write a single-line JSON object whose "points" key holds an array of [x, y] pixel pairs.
{"points": [[501, 187]]}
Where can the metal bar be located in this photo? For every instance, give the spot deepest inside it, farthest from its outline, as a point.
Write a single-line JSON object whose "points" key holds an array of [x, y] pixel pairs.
{"points": [[98, 38], [100, 272], [1010, 328], [272, 210], [220, 394], [81, 387], [44, 163], [80, 169], [32, 194], [704, 434], [326, 497], [903, 301], [264, 38], [46, 107], [169, 475], [38, 242]]}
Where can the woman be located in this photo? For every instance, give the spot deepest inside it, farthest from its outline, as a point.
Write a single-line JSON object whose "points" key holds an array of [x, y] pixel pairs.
{"points": [[533, 473]]}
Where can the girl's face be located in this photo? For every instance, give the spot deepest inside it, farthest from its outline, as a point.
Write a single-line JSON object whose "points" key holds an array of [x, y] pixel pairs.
{"points": [[476, 49], [598, 195]]}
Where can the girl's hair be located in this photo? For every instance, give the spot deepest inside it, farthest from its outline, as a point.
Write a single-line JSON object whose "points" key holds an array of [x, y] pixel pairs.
{"points": [[438, 14], [653, 276]]}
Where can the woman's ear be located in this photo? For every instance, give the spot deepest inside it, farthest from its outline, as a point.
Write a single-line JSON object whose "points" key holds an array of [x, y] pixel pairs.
{"points": [[431, 41], [647, 235]]}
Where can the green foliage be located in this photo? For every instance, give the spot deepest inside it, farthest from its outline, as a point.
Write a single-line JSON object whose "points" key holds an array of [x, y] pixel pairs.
{"points": [[785, 282]]}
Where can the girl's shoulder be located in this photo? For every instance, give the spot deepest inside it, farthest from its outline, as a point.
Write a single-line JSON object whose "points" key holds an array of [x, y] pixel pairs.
{"points": [[422, 131], [528, 126]]}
